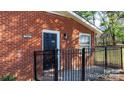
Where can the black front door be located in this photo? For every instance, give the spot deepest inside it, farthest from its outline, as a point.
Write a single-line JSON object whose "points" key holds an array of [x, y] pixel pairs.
{"points": [[49, 46]]}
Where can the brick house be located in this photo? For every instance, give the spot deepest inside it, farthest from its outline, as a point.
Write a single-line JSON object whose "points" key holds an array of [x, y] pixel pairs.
{"points": [[22, 33]]}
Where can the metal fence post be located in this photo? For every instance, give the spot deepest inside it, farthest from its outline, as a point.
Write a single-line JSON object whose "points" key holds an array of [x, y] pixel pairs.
{"points": [[83, 64], [121, 58], [106, 58], [56, 64], [35, 71]]}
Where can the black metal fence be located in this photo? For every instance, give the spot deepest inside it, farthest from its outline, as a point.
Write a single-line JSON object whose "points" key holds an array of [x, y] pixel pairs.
{"points": [[62, 65], [76, 64], [109, 56], [102, 62]]}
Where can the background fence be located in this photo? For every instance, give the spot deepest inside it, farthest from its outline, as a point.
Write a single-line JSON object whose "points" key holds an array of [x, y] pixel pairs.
{"points": [[110, 56]]}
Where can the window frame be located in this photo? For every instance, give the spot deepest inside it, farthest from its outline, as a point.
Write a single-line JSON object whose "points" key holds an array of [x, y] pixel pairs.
{"points": [[85, 34]]}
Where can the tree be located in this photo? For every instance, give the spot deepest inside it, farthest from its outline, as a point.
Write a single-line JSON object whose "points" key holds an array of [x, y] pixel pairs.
{"points": [[109, 23], [114, 29], [88, 15]]}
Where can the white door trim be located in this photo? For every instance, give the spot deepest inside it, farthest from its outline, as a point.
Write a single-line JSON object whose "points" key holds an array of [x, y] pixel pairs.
{"points": [[58, 42]]}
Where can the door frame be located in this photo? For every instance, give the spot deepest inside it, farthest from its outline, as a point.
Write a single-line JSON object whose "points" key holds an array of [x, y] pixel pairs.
{"points": [[58, 42]]}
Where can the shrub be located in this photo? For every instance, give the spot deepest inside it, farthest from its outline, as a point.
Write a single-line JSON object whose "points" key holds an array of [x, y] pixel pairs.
{"points": [[8, 78]]}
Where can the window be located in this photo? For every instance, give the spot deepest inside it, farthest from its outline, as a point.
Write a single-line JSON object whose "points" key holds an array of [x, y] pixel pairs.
{"points": [[85, 40]]}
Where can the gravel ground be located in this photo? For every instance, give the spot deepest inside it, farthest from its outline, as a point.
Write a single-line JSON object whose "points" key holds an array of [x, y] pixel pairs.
{"points": [[113, 77], [109, 74], [94, 73]]}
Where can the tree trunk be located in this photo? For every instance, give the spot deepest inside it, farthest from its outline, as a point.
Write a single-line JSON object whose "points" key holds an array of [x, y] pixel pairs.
{"points": [[93, 17], [103, 42], [113, 39]]}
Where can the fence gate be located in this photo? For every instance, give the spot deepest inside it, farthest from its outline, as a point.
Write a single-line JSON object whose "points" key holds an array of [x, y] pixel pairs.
{"points": [[59, 65]]}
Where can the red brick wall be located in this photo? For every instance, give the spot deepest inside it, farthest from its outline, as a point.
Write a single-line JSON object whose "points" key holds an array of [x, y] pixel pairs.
{"points": [[16, 52]]}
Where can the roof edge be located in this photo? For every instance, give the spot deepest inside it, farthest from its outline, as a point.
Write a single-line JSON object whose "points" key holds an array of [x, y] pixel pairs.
{"points": [[76, 17], [86, 23]]}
